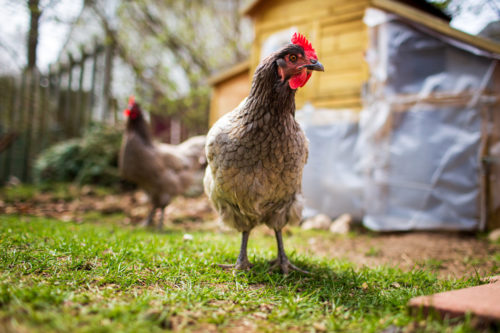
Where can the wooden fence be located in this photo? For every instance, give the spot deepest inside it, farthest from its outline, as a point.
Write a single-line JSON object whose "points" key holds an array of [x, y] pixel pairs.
{"points": [[38, 110]]}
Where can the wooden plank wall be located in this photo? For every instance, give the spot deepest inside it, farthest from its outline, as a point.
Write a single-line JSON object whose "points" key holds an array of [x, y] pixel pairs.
{"points": [[38, 110], [228, 94]]}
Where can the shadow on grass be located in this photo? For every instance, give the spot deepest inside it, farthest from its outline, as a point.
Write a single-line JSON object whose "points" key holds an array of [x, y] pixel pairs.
{"points": [[340, 289]]}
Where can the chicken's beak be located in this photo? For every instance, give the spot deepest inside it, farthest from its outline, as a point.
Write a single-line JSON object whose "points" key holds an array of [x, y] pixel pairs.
{"points": [[315, 65]]}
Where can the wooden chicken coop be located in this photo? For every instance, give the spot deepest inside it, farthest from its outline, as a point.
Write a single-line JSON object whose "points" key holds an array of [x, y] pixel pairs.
{"points": [[337, 32], [398, 65]]}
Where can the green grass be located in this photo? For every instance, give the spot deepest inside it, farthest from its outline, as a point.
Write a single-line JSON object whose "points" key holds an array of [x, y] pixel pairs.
{"points": [[66, 277]]}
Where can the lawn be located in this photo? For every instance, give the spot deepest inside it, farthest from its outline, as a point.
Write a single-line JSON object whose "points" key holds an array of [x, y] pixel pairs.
{"points": [[98, 276]]}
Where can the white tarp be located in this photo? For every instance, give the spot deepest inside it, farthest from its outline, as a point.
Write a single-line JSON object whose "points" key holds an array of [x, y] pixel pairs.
{"points": [[421, 129], [412, 159], [331, 183]]}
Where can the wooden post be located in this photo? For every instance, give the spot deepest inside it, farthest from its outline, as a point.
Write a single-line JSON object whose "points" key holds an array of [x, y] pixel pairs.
{"points": [[17, 164], [97, 49], [67, 105], [9, 122], [52, 103], [43, 124], [34, 122], [34, 83], [492, 190], [58, 109], [79, 97]]}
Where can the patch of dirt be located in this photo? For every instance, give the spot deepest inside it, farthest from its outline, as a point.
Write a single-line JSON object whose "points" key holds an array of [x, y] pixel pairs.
{"points": [[449, 254], [135, 205]]}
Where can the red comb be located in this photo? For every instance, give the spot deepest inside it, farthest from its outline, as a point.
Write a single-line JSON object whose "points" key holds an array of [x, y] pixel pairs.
{"points": [[300, 40], [131, 101]]}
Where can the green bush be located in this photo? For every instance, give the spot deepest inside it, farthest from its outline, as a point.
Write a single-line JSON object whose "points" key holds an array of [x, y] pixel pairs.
{"points": [[92, 159]]}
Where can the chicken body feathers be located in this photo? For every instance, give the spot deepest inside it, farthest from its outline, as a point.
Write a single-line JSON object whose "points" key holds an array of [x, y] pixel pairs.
{"points": [[143, 165], [162, 170], [255, 167]]}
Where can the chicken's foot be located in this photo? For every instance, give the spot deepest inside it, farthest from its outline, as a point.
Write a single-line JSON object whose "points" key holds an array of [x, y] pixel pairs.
{"points": [[282, 261], [242, 263]]}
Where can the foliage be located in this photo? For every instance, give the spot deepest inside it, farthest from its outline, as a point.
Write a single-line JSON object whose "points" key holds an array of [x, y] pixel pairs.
{"points": [[192, 109], [101, 277], [457, 7], [173, 47], [92, 159]]}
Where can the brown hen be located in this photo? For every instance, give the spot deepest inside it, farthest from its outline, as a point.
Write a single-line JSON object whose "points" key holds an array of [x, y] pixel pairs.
{"points": [[256, 153], [163, 171]]}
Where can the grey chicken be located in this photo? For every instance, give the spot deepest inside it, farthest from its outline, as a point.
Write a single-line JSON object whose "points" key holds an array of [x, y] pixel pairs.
{"points": [[256, 153], [163, 171]]}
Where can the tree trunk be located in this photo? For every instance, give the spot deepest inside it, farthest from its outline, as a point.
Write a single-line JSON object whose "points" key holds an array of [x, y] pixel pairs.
{"points": [[35, 13]]}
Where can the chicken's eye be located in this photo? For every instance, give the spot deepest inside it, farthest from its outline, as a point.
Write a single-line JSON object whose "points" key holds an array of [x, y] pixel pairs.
{"points": [[293, 58]]}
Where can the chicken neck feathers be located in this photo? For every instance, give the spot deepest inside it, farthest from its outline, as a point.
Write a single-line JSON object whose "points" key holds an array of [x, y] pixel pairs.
{"points": [[256, 154]]}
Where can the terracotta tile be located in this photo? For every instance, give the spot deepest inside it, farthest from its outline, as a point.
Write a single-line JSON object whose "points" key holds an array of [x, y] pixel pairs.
{"points": [[482, 301]]}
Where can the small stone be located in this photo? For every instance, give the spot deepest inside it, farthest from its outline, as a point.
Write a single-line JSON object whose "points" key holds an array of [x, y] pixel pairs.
{"points": [[66, 217], [320, 221], [266, 308], [108, 251], [494, 236], [319, 327], [342, 224], [141, 197], [187, 237], [138, 212], [491, 279], [260, 315]]}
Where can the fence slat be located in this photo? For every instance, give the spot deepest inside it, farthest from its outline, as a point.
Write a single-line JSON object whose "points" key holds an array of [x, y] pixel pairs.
{"points": [[33, 84], [9, 127], [106, 90], [79, 97], [95, 56], [43, 110], [67, 105]]}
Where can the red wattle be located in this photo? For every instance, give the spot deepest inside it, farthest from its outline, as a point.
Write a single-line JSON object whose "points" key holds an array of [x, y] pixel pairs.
{"points": [[299, 80]]}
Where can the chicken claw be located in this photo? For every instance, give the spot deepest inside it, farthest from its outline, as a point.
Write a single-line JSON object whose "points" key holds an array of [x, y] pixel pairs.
{"points": [[285, 266], [242, 262], [282, 260], [148, 222]]}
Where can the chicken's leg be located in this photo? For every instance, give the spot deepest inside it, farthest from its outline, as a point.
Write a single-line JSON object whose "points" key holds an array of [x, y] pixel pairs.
{"points": [[242, 262], [282, 261], [149, 220], [162, 214]]}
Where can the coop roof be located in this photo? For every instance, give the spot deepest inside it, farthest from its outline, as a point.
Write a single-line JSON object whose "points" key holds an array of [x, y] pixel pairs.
{"points": [[422, 5], [418, 11], [229, 73], [428, 21]]}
